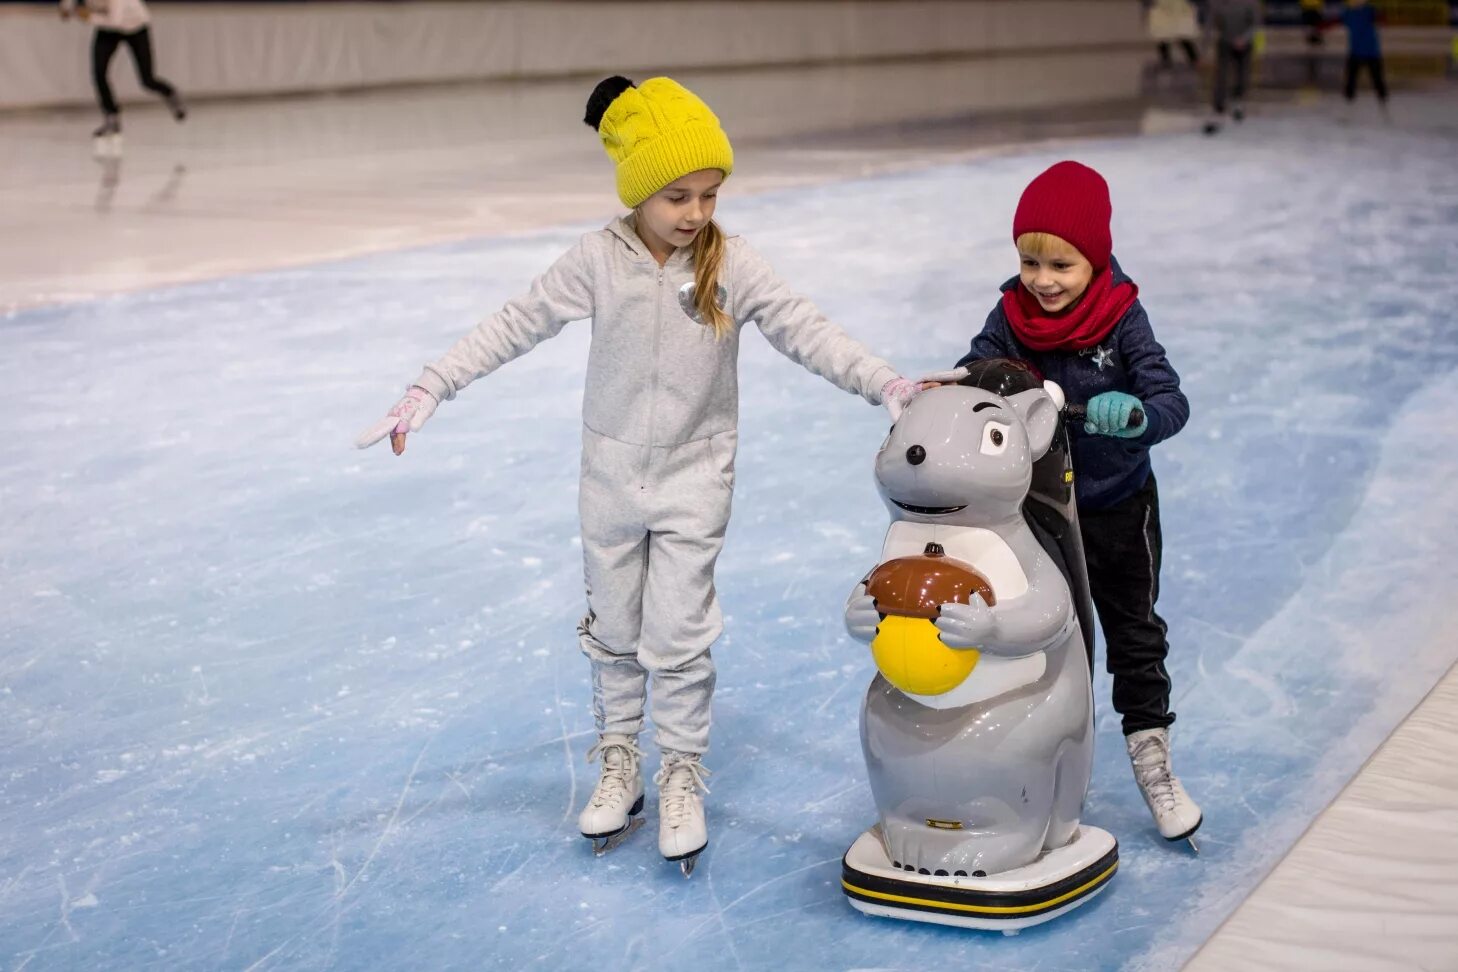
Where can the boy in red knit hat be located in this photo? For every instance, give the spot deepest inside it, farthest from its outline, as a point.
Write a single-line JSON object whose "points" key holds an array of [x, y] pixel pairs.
{"points": [[1075, 315]]}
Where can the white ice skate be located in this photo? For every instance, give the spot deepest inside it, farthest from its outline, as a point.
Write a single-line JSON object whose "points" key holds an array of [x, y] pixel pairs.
{"points": [[611, 814], [682, 832], [106, 141], [1177, 816]]}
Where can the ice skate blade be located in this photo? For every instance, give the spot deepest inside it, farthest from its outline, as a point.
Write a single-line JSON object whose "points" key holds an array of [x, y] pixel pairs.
{"points": [[1189, 836], [687, 861], [601, 845], [1053, 885]]}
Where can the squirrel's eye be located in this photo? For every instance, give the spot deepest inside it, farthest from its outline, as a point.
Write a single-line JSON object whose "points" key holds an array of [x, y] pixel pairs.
{"points": [[994, 439]]}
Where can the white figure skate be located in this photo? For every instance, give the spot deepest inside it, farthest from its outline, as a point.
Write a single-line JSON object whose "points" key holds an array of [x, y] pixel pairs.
{"points": [[106, 141], [682, 831], [1177, 816], [612, 812]]}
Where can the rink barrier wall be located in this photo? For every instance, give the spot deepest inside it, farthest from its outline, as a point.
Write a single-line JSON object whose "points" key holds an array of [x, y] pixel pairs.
{"points": [[925, 58]]}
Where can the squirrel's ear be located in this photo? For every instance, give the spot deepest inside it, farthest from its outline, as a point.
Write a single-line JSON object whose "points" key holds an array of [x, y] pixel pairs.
{"points": [[1035, 407]]}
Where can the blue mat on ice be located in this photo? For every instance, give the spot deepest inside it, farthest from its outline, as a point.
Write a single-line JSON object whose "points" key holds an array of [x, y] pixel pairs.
{"points": [[269, 703]]}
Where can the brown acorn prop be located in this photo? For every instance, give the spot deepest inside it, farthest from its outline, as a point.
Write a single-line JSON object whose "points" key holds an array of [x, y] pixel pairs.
{"points": [[916, 587]]}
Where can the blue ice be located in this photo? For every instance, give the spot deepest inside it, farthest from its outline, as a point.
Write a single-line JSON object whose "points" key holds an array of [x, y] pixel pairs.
{"points": [[271, 703]]}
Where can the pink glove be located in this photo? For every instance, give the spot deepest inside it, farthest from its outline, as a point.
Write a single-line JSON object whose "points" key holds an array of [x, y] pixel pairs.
{"points": [[408, 415], [896, 394]]}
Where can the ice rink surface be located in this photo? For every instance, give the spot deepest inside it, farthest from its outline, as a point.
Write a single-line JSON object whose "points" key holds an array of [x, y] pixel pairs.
{"points": [[272, 703]]}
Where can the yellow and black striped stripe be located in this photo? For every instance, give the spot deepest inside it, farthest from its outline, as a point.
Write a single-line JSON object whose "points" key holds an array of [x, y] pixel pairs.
{"points": [[947, 899]]}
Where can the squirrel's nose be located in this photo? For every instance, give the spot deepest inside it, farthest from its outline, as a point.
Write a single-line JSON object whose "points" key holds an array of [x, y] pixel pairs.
{"points": [[916, 455]]}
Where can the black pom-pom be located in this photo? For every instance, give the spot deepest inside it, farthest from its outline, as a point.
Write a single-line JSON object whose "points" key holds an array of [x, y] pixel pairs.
{"points": [[602, 96]]}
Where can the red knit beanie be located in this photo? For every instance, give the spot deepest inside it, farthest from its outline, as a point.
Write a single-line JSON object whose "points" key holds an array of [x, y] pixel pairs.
{"points": [[1070, 201]]}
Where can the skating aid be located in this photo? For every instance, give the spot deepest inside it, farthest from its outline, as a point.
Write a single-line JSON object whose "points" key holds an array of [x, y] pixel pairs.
{"points": [[1077, 414], [977, 730]]}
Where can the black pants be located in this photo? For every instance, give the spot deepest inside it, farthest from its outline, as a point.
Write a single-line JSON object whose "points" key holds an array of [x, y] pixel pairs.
{"points": [[1374, 67], [1227, 60], [1123, 547], [104, 45]]}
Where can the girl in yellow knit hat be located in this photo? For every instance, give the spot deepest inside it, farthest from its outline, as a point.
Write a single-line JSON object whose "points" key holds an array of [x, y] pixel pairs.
{"points": [[668, 293]]}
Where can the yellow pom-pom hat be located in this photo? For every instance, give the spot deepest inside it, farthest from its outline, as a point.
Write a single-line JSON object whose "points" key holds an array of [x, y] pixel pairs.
{"points": [[656, 132]]}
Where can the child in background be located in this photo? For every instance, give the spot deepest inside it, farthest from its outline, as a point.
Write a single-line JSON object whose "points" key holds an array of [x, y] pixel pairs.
{"points": [[668, 293], [121, 22], [1174, 22], [1313, 14], [1233, 24], [1076, 317], [1364, 51]]}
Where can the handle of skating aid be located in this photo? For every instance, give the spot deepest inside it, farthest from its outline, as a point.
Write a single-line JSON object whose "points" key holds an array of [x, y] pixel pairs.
{"points": [[1079, 413]]}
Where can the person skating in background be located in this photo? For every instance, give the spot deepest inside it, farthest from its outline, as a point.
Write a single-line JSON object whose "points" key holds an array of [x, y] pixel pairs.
{"points": [[1174, 22], [1313, 16], [119, 22], [1364, 51], [1233, 25], [668, 292]]}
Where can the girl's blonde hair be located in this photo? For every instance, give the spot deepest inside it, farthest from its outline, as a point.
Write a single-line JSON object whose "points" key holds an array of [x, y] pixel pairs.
{"points": [[708, 258]]}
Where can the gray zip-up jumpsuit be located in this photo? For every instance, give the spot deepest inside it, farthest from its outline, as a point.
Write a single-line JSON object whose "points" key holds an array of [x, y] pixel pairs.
{"points": [[660, 412]]}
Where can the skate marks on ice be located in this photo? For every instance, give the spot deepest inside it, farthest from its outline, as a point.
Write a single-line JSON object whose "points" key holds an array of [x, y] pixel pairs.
{"points": [[1359, 645]]}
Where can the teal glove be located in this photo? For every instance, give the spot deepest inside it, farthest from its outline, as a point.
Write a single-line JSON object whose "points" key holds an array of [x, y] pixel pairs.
{"points": [[1108, 414]]}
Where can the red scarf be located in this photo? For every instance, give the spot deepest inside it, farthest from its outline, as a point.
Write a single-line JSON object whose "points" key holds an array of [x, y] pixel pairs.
{"points": [[1088, 322]]}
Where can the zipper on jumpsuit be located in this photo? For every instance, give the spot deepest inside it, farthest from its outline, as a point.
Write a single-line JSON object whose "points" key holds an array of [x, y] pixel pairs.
{"points": [[653, 379]]}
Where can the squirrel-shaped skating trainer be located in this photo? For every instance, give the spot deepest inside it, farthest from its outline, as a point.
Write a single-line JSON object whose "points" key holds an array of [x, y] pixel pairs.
{"points": [[978, 729]]}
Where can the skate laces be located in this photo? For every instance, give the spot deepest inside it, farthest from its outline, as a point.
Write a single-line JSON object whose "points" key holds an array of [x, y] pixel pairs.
{"points": [[619, 766], [676, 782], [1151, 767]]}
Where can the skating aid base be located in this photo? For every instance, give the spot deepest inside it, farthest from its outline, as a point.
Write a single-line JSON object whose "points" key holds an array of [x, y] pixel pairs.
{"points": [[1053, 885]]}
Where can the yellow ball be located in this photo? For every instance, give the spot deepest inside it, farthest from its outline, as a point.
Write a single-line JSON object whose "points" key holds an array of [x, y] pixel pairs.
{"points": [[909, 654]]}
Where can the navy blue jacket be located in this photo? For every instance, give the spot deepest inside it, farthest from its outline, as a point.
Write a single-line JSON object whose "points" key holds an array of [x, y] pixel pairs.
{"points": [[1129, 359], [1362, 32]]}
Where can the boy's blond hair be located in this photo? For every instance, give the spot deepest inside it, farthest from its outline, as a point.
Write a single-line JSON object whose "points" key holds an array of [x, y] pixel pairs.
{"points": [[1042, 244]]}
